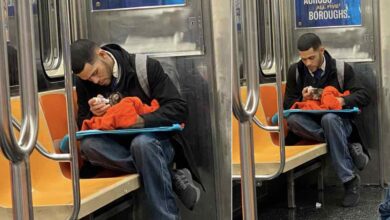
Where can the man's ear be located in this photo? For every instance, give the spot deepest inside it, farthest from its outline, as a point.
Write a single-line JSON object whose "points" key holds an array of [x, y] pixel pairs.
{"points": [[322, 50], [101, 53]]}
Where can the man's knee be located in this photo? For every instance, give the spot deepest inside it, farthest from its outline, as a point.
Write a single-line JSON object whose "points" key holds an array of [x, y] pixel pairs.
{"points": [[143, 144], [329, 120], [293, 120], [88, 144]]}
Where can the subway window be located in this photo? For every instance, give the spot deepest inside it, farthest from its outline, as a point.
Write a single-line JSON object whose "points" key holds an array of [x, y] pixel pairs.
{"points": [[49, 40], [266, 41]]}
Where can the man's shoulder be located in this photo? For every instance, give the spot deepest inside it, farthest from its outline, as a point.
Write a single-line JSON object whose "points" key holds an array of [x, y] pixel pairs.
{"points": [[111, 47], [296, 67]]}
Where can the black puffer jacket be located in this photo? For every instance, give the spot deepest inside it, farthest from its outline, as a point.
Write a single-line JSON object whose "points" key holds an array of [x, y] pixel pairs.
{"points": [[173, 109]]}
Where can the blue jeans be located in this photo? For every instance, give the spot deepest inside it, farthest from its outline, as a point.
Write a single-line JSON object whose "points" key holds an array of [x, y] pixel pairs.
{"points": [[151, 156], [333, 130], [384, 207]]}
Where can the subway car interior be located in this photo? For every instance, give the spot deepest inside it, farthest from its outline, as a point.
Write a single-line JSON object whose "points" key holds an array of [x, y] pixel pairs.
{"points": [[230, 60]]}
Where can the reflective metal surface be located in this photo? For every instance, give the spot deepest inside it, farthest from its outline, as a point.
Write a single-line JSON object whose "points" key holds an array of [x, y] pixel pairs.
{"points": [[41, 149], [221, 45], [384, 88], [167, 31], [73, 149], [18, 151], [245, 112]]}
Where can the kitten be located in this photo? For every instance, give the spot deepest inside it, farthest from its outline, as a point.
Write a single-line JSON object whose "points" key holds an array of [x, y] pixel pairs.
{"points": [[316, 92], [113, 98]]}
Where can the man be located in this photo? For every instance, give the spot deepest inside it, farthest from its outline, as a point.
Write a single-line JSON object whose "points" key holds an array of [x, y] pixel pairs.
{"points": [[318, 69], [109, 69]]}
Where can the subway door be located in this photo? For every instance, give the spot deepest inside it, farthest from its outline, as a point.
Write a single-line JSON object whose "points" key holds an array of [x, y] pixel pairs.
{"points": [[190, 38], [348, 31]]}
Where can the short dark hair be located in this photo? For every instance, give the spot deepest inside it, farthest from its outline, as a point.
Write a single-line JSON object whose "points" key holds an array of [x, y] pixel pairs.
{"points": [[82, 52], [307, 41]]}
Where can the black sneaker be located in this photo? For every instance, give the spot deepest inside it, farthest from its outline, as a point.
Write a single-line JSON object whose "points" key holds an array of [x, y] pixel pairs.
{"points": [[185, 188], [352, 192], [360, 159]]}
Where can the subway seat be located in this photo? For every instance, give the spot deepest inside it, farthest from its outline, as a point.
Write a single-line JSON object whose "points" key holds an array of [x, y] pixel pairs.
{"points": [[266, 144], [51, 188]]}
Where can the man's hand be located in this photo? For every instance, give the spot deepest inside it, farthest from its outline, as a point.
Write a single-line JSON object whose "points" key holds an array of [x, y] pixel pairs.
{"points": [[98, 108], [341, 101], [306, 94]]}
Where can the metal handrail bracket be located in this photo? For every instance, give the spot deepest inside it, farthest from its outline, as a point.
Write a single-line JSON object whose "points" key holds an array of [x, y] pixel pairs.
{"points": [[280, 127]]}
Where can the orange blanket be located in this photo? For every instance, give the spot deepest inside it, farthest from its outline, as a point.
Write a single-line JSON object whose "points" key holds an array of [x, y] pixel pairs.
{"points": [[122, 115], [328, 101]]}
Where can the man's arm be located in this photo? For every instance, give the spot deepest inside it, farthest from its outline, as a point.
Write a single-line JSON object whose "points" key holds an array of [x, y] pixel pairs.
{"points": [[173, 108], [293, 93], [83, 111], [359, 95]]}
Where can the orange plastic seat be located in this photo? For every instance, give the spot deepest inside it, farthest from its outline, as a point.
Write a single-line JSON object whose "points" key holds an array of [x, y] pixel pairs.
{"points": [[51, 190], [266, 151]]}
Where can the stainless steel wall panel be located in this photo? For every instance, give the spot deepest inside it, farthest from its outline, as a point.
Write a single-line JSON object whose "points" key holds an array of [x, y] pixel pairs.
{"points": [[167, 31], [384, 87]]}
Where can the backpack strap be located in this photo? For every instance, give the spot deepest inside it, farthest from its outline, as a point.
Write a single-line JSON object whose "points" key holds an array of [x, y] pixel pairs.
{"points": [[296, 74], [141, 70], [340, 73]]}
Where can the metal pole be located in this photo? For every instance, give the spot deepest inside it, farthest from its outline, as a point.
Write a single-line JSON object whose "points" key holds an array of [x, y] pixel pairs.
{"points": [[21, 190], [248, 188], [65, 34], [245, 113], [18, 152]]}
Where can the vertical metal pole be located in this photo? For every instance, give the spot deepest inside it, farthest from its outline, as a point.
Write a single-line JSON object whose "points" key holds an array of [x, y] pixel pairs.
{"points": [[18, 152], [248, 187], [65, 35], [21, 190], [245, 114]]}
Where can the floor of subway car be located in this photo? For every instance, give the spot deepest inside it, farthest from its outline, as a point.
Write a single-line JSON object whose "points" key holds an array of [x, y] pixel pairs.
{"points": [[308, 206]]}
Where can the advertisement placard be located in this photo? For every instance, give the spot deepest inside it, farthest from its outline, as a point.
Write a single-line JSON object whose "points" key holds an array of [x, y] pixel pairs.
{"points": [[327, 13]]}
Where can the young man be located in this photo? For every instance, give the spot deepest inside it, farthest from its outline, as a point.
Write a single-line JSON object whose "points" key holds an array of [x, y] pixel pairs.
{"points": [[110, 69], [318, 69]]}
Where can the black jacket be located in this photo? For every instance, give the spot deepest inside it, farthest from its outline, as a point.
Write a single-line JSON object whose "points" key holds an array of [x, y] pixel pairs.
{"points": [[359, 96], [173, 109]]}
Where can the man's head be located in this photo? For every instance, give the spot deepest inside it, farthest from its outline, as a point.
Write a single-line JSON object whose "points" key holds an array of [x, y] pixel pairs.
{"points": [[90, 62], [311, 51]]}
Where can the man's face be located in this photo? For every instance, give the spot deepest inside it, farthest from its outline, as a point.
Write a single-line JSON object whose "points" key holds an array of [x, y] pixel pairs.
{"points": [[312, 58], [100, 71]]}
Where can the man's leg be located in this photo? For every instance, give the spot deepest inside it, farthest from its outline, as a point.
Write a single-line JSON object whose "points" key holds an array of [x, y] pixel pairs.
{"points": [[337, 131], [107, 152], [306, 127], [153, 156]]}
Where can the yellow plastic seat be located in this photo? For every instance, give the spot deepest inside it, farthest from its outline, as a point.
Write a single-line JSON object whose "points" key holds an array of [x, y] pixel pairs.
{"points": [[266, 150], [51, 190]]}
